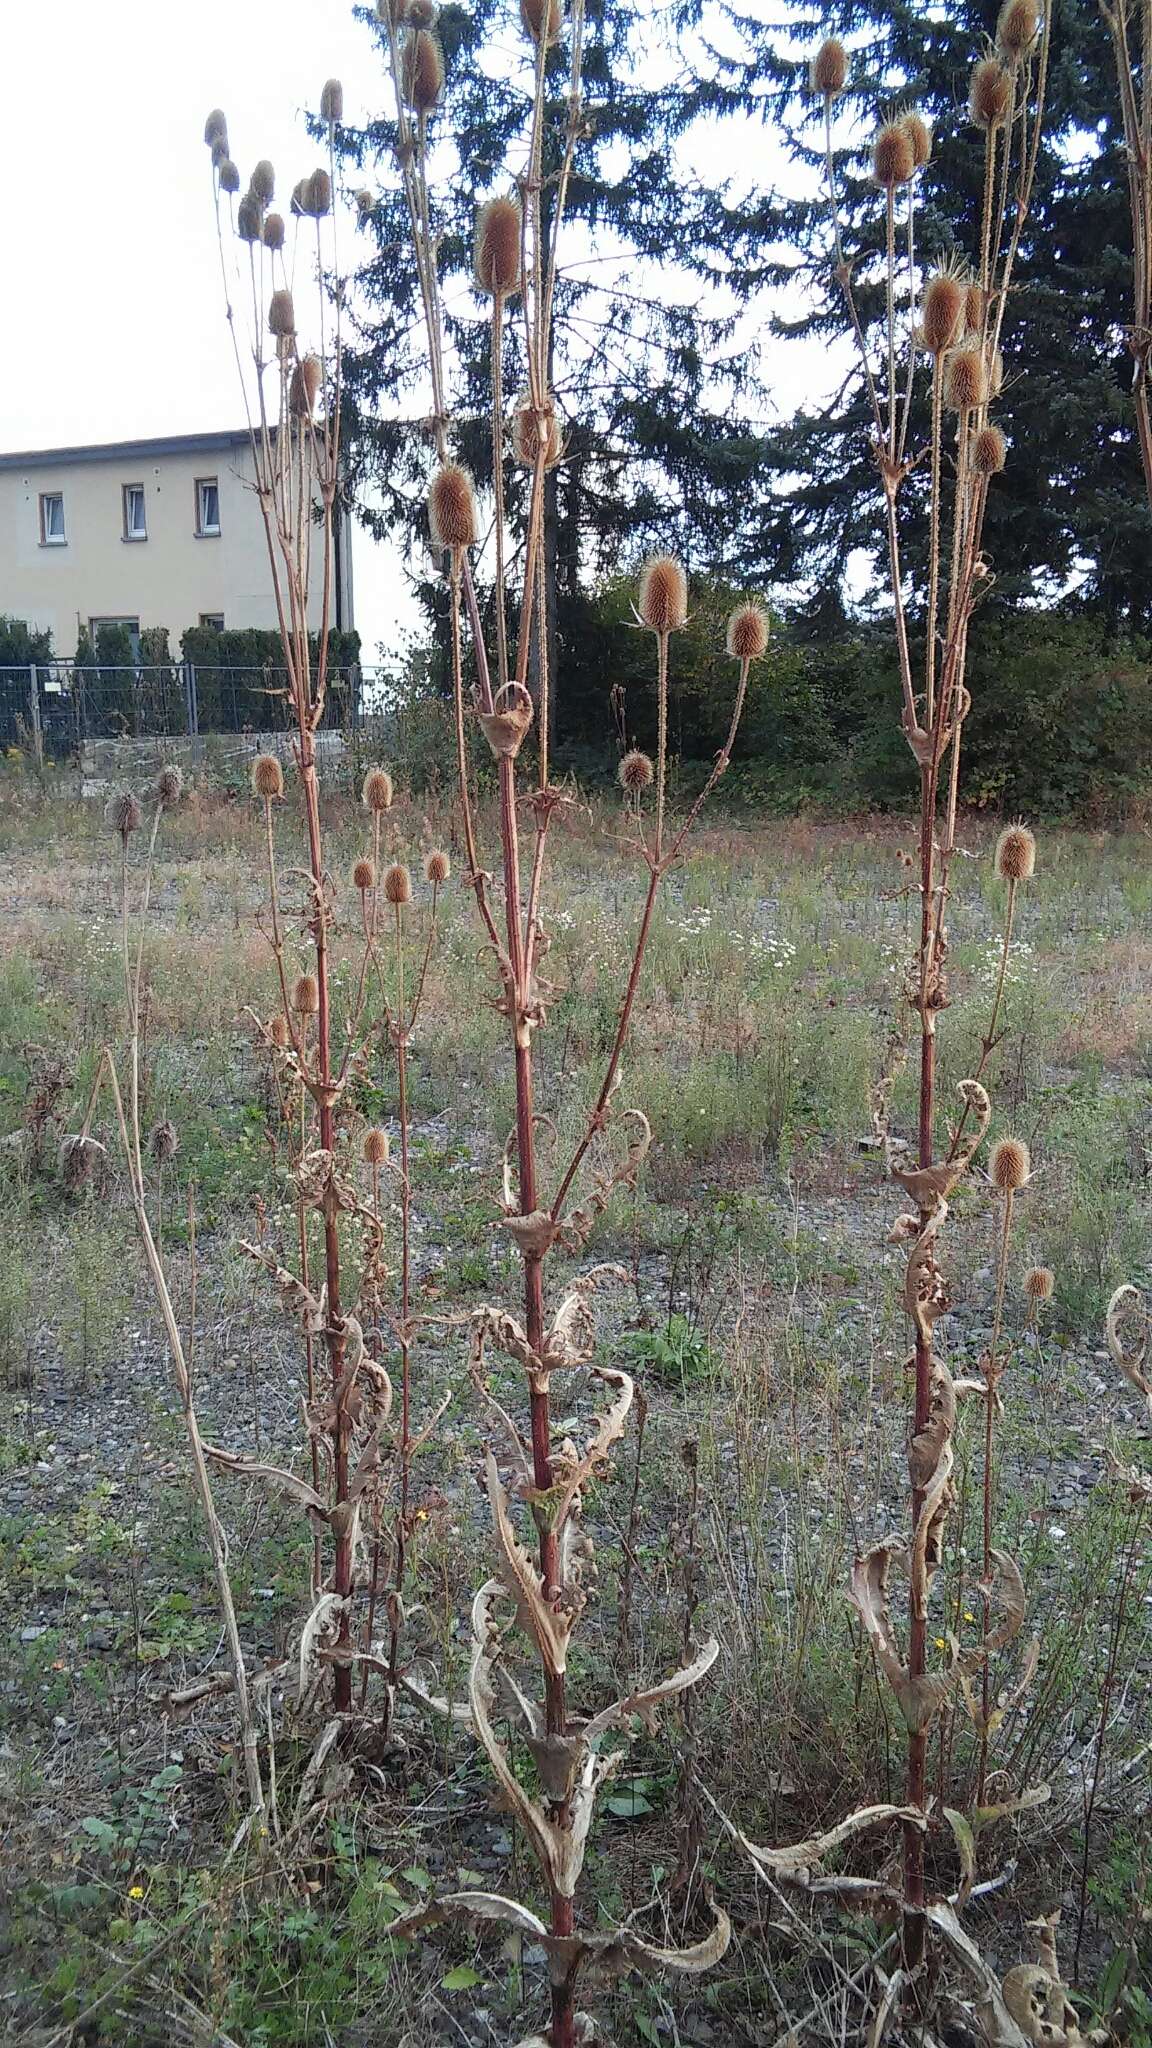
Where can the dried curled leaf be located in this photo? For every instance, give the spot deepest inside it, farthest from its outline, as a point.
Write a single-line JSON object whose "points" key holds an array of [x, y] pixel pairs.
{"points": [[548, 1626], [1131, 1359], [324, 1621], [625, 1950], [798, 1861], [1037, 1999], [573, 1472], [471, 1906], [927, 1446], [576, 1231], [572, 1337], [505, 726], [996, 2022], [271, 1476], [646, 1702], [310, 1307]]}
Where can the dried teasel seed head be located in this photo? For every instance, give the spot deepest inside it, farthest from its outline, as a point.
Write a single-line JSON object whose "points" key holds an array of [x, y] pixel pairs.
{"points": [[422, 70], [306, 996], [220, 152], [79, 1158], [541, 18], [635, 772], [228, 175], [281, 314], [747, 636], [263, 181], [364, 875], [164, 1142], [332, 101], [397, 884], [215, 127], [278, 1031], [300, 195], [499, 227], [169, 784], [990, 94], [375, 1148], [123, 813], [452, 508], [974, 308], [1017, 29], [1016, 854], [663, 598], [437, 868], [919, 135], [533, 425], [272, 234], [828, 71], [989, 452], [942, 312], [376, 794], [893, 161], [365, 204], [318, 194], [1039, 1283], [303, 386], [267, 776], [421, 13], [1009, 1165], [965, 379], [249, 218]]}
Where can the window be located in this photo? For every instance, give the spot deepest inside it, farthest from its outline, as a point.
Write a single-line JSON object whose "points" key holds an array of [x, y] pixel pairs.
{"points": [[207, 505], [213, 620], [52, 534], [135, 513], [115, 639]]}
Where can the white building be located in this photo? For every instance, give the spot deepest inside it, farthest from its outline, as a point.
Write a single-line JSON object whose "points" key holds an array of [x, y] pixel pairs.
{"points": [[145, 533]]}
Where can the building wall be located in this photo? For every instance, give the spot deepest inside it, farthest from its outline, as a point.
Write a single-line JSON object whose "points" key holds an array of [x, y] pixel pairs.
{"points": [[171, 578]]}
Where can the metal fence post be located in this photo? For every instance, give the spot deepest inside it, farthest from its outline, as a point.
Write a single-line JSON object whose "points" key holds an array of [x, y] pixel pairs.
{"points": [[190, 699], [34, 707]]}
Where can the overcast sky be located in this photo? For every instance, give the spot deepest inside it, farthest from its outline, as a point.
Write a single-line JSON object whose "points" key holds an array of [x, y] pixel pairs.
{"points": [[114, 323]]}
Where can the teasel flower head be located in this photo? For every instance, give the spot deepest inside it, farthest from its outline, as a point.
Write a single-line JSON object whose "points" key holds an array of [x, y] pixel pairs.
{"points": [[965, 378], [124, 813], [437, 868], [228, 175], [663, 598], [375, 1148], [397, 885], [499, 227], [220, 152], [1017, 29], [364, 875], [1016, 854], [452, 508], [306, 996], [78, 1159], [215, 128], [164, 1142], [365, 205], [828, 71], [746, 638], [376, 794], [249, 218], [919, 135], [263, 182], [1010, 1165], [332, 102], [635, 772], [422, 70], [300, 195], [267, 777], [281, 315], [169, 784], [531, 425], [1039, 1283], [272, 233], [942, 312], [317, 195], [893, 159], [541, 18], [989, 452], [974, 307], [303, 386], [990, 94], [278, 1030], [421, 13]]}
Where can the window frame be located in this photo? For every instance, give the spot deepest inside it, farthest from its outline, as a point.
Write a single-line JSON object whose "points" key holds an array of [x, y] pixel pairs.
{"points": [[204, 532], [212, 622], [125, 492], [116, 619], [53, 540]]}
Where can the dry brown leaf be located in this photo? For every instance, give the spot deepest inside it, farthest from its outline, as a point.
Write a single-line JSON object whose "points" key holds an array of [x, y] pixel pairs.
{"points": [[1130, 1359], [646, 1701], [549, 1627], [272, 1476]]}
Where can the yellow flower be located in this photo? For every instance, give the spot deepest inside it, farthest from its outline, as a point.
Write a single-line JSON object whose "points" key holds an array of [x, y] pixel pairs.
{"points": [[135, 1891], [967, 1616], [940, 1642]]}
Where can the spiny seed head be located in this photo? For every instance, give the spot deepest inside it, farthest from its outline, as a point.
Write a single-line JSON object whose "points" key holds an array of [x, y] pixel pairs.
{"points": [[249, 218], [123, 813], [1016, 854], [974, 308], [828, 71], [303, 386], [220, 151], [332, 101], [663, 602], [272, 234], [228, 175], [422, 70], [942, 313], [79, 1158], [421, 13], [747, 635], [965, 379], [893, 161], [990, 94], [215, 127], [497, 261], [1039, 1283], [437, 868], [300, 195], [1010, 1165], [306, 996], [376, 794], [263, 181], [989, 452], [278, 1030], [452, 508], [169, 784], [267, 777], [635, 772], [541, 18], [1017, 29], [365, 204], [397, 884], [164, 1142], [364, 875], [281, 314], [919, 135], [318, 194], [533, 425], [375, 1148]]}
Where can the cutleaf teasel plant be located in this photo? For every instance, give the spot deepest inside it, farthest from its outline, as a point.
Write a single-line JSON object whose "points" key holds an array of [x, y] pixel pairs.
{"points": [[536, 1486]]}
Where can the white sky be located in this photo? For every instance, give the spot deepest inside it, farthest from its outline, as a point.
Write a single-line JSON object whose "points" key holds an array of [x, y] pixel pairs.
{"points": [[114, 323]]}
